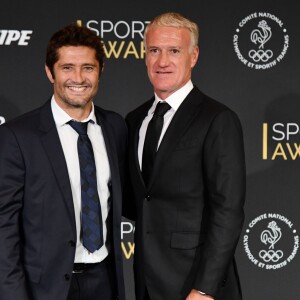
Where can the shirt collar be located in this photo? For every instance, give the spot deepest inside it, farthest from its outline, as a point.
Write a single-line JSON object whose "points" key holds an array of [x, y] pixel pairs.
{"points": [[61, 117], [176, 98]]}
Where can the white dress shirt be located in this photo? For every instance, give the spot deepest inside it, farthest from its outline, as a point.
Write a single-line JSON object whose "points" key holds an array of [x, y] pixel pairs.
{"points": [[68, 138], [174, 101]]}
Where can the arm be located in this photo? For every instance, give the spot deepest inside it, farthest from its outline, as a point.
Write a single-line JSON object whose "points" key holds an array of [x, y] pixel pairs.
{"points": [[12, 172], [224, 172]]}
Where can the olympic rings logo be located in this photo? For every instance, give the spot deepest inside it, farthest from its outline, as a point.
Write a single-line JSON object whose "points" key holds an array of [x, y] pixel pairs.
{"points": [[271, 255], [260, 55]]}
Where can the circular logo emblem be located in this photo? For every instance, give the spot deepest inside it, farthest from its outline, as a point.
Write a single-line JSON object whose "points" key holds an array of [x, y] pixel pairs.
{"points": [[270, 241], [261, 41]]}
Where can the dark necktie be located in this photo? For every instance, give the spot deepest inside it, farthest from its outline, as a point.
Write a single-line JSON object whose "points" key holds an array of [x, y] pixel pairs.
{"points": [[91, 218], [151, 139]]}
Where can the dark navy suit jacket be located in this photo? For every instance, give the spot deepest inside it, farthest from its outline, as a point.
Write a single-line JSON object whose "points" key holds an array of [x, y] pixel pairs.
{"points": [[37, 222]]}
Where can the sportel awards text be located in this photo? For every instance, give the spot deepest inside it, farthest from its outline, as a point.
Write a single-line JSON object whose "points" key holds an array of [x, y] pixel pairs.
{"points": [[127, 230], [280, 141], [121, 39]]}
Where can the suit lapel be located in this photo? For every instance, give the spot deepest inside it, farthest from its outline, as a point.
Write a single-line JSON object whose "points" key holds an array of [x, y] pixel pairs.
{"points": [[179, 124], [110, 147], [53, 148], [140, 118]]}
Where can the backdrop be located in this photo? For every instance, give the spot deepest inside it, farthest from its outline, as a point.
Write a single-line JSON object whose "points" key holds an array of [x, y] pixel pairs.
{"points": [[249, 60]]}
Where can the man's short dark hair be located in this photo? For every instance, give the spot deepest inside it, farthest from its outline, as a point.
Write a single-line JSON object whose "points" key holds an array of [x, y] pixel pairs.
{"points": [[73, 35]]}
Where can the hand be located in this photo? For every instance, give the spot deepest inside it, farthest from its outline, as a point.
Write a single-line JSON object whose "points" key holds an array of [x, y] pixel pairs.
{"points": [[195, 295]]}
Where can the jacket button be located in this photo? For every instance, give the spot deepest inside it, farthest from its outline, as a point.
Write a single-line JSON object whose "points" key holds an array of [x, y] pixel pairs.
{"points": [[72, 243], [148, 198], [67, 277]]}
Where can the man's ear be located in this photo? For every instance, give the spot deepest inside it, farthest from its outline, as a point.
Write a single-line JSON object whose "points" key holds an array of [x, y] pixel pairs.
{"points": [[49, 74], [195, 55]]}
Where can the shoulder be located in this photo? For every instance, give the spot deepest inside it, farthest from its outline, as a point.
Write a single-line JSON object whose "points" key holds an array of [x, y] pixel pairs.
{"points": [[108, 115], [20, 132], [111, 120], [22, 123], [208, 103], [140, 110], [214, 109]]}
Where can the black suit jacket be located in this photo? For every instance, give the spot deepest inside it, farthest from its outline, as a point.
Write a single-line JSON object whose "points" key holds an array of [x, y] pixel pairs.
{"points": [[189, 218], [37, 221]]}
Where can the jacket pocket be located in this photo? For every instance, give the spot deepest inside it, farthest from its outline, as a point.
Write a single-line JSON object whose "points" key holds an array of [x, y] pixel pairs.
{"points": [[185, 240]]}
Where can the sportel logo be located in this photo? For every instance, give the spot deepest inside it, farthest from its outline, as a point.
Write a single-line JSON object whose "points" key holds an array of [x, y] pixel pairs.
{"points": [[280, 141], [17, 37], [121, 39], [127, 245]]}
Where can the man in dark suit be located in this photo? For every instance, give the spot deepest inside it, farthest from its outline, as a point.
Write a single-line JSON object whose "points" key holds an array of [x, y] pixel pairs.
{"points": [[61, 178], [187, 173]]}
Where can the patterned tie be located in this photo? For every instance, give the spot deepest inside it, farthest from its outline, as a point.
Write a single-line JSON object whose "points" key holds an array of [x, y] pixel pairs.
{"points": [[91, 218], [151, 139]]}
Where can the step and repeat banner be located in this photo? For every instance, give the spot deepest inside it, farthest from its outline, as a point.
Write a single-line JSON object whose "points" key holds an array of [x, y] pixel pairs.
{"points": [[249, 60]]}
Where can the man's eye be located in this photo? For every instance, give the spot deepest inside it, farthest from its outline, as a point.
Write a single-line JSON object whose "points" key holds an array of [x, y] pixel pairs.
{"points": [[154, 50], [88, 69], [67, 68], [175, 51]]}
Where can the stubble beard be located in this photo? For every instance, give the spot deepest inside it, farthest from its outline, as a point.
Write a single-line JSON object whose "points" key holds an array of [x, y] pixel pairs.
{"points": [[76, 102]]}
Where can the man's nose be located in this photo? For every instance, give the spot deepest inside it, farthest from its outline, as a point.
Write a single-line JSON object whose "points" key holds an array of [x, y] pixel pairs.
{"points": [[163, 59], [78, 76]]}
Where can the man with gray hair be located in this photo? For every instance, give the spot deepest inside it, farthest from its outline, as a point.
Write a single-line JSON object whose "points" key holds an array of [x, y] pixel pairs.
{"points": [[187, 176]]}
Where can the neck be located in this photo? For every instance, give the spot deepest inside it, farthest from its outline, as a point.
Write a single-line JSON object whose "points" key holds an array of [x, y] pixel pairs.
{"points": [[78, 114]]}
